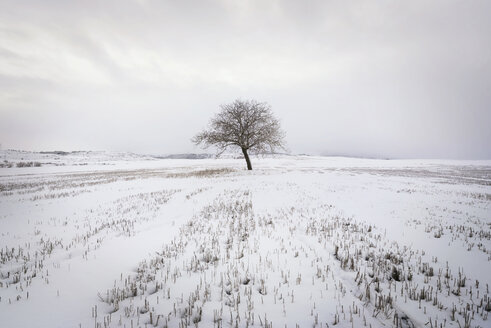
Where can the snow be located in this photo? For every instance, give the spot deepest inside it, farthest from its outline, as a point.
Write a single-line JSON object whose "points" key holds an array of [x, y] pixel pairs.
{"points": [[103, 239]]}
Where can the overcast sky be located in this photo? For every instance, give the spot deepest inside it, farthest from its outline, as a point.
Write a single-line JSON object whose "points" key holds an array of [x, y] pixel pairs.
{"points": [[408, 79]]}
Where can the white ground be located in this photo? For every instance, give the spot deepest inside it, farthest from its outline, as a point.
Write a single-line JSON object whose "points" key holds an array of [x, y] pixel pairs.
{"points": [[98, 239]]}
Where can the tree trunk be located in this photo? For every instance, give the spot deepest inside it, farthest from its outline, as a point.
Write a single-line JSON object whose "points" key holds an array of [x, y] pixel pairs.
{"points": [[246, 156]]}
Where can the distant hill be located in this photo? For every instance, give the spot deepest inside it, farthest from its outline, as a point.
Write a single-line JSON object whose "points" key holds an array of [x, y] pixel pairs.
{"points": [[186, 156]]}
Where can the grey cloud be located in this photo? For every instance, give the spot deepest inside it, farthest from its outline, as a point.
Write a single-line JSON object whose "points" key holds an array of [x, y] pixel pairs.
{"points": [[385, 78]]}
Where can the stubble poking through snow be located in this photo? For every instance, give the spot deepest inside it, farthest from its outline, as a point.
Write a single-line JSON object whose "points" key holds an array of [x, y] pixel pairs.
{"points": [[300, 242]]}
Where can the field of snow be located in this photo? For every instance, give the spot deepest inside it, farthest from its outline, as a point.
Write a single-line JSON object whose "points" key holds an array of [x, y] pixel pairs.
{"points": [[118, 240]]}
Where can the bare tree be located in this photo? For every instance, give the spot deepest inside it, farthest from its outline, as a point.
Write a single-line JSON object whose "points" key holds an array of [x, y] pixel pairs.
{"points": [[249, 125]]}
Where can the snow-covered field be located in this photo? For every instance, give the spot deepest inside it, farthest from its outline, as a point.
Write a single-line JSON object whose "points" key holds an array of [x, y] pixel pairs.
{"points": [[116, 240]]}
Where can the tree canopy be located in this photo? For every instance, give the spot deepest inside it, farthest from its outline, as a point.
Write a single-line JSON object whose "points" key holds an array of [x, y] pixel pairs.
{"points": [[247, 124]]}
